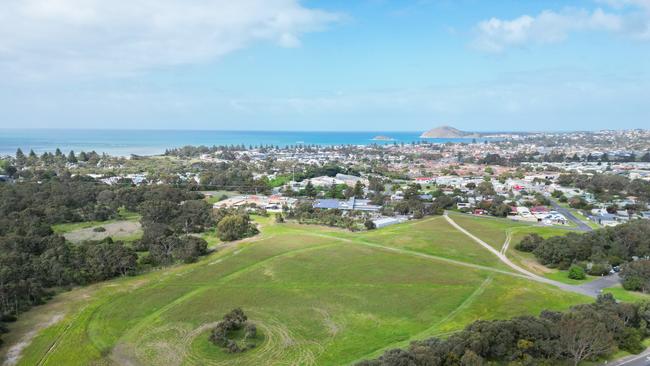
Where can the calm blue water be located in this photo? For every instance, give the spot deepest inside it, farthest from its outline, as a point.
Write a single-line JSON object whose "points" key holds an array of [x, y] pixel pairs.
{"points": [[151, 142]]}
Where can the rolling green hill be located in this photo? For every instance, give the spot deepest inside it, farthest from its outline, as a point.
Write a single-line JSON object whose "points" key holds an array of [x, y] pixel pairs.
{"points": [[319, 296]]}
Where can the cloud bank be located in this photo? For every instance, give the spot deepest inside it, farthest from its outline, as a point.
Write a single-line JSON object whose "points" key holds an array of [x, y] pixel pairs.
{"points": [[630, 18], [41, 38]]}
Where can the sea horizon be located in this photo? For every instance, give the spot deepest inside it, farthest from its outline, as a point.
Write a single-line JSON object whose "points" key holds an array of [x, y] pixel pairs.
{"points": [[126, 142]]}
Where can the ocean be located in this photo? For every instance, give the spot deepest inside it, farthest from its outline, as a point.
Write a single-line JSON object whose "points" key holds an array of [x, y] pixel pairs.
{"points": [[154, 142]]}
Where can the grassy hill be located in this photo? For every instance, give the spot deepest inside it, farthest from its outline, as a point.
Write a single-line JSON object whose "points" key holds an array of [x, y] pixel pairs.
{"points": [[319, 296]]}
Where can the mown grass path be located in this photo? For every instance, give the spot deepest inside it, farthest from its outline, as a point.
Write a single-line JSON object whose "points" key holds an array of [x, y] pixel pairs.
{"points": [[592, 289], [320, 296]]}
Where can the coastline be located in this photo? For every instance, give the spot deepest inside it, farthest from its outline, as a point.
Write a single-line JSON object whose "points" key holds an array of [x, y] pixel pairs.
{"points": [[155, 142]]}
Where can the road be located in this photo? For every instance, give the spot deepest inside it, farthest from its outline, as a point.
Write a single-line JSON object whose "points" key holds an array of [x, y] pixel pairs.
{"points": [[569, 215], [642, 359], [592, 289]]}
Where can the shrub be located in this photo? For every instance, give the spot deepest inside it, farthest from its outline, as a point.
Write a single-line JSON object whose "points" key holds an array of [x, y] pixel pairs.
{"points": [[99, 229], [633, 283], [577, 273], [233, 321], [599, 269]]}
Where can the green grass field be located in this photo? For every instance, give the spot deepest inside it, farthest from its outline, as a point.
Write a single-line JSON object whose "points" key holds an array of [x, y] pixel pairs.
{"points": [[319, 296], [495, 232]]}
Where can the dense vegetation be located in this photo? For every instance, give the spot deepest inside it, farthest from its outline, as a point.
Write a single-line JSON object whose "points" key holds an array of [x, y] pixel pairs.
{"points": [[585, 332], [598, 249], [606, 186], [34, 261], [636, 275]]}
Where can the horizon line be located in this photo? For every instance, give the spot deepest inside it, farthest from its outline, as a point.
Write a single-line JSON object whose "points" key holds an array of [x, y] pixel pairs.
{"points": [[286, 130]]}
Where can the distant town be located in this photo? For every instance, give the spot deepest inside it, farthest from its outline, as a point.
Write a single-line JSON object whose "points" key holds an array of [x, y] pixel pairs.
{"points": [[582, 180]]}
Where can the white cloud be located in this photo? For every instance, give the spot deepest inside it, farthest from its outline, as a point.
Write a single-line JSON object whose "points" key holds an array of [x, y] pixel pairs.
{"points": [[631, 18], [40, 38]]}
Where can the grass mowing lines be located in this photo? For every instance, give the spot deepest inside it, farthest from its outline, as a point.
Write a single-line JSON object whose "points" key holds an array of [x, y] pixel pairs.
{"points": [[320, 296], [136, 331], [358, 316], [365, 309], [203, 287]]}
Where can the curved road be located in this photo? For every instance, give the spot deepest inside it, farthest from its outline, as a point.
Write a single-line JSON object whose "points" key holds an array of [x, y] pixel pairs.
{"points": [[591, 289]]}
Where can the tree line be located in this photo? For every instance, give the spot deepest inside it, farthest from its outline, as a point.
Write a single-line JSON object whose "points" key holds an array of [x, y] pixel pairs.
{"points": [[584, 332], [598, 250]]}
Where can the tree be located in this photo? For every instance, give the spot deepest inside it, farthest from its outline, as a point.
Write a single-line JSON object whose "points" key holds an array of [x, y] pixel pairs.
{"points": [[471, 359], [529, 243], [194, 216], [376, 184], [235, 227], [222, 334], [310, 190], [21, 160], [71, 157], [158, 211], [486, 188], [583, 336], [191, 249], [162, 251], [109, 259], [32, 159], [358, 189]]}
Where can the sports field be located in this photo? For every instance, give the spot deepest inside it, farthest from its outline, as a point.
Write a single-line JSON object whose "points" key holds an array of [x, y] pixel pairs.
{"points": [[319, 296]]}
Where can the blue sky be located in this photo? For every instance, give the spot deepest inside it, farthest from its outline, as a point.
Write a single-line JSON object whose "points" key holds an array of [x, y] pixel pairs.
{"points": [[325, 65]]}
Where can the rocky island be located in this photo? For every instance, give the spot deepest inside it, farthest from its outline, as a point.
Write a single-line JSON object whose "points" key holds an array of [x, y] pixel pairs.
{"points": [[448, 132]]}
